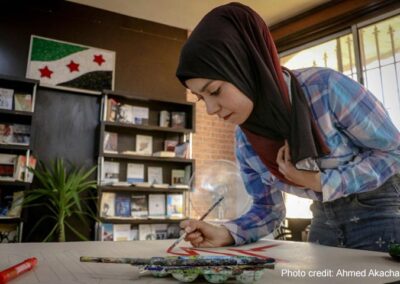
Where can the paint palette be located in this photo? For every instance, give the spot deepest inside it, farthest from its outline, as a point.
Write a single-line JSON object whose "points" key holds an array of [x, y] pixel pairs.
{"points": [[394, 251], [214, 269]]}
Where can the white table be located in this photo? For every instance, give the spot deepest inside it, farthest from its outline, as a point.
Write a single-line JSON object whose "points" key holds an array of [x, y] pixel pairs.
{"points": [[296, 262]]}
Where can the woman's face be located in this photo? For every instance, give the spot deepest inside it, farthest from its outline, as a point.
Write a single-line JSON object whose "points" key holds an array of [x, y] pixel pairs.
{"points": [[222, 99]]}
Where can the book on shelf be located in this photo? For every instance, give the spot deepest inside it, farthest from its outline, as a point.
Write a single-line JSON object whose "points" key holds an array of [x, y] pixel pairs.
{"points": [[107, 205], [21, 168], [177, 176], [124, 113], [169, 145], [178, 119], [6, 133], [139, 206], [129, 152], [121, 184], [7, 166], [173, 231], [145, 232], [110, 173], [6, 98], [161, 185], [5, 204], [110, 142], [154, 175], [22, 102], [182, 150], [175, 205], [164, 154], [144, 145], [135, 173], [140, 115], [122, 205], [179, 186], [157, 206], [9, 233], [107, 232], [122, 232], [21, 134], [112, 110], [164, 119], [16, 206], [142, 184], [160, 231], [134, 233]]}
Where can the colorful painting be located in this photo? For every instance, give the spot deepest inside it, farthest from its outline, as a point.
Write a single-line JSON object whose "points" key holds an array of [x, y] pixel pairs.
{"points": [[70, 66]]}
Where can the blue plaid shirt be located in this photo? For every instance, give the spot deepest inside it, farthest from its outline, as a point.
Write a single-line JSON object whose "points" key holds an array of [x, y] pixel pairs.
{"points": [[364, 145]]}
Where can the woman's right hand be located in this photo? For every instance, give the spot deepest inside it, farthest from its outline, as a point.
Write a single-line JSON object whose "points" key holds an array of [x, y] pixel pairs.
{"points": [[205, 235]]}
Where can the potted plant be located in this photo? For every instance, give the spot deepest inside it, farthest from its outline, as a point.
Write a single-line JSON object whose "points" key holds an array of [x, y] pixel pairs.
{"points": [[64, 193]]}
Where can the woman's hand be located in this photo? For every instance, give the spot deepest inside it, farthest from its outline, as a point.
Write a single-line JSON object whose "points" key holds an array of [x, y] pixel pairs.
{"points": [[307, 179], [202, 234]]}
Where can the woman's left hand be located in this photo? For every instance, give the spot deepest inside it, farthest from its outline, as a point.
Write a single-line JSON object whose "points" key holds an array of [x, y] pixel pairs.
{"points": [[307, 179]]}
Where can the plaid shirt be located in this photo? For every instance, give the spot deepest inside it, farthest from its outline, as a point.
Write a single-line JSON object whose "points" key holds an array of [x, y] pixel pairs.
{"points": [[364, 145]]}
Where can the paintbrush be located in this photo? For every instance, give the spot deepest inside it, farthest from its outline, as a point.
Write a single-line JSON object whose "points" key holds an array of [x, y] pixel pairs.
{"points": [[201, 218]]}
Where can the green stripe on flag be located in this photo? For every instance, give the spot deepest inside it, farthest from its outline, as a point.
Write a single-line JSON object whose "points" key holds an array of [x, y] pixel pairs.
{"points": [[48, 50]]}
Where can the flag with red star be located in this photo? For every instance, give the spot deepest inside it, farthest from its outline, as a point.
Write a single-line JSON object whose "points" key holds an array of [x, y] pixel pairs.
{"points": [[70, 66]]}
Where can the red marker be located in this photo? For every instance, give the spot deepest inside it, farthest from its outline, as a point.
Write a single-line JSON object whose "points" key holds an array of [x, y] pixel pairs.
{"points": [[18, 269]]}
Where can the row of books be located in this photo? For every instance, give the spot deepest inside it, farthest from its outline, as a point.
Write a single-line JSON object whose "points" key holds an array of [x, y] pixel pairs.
{"points": [[9, 233], [141, 206], [131, 114], [15, 134], [144, 146], [12, 100], [129, 232], [13, 167], [11, 204], [135, 173]]}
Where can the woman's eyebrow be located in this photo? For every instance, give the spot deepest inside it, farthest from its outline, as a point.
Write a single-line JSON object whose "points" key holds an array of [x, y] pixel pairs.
{"points": [[205, 86]]}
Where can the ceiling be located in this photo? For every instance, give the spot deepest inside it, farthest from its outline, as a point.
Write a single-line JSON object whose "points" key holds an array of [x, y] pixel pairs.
{"points": [[186, 14]]}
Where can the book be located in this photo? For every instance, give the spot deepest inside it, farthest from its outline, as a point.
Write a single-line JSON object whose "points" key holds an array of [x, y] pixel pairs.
{"points": [[107, 208], [160, 231], [179, 186], [122, 232], [140, 115], [134, 233], [154, 175], [112, 110], [110, 142], [178, 119], [5, 204], [169, 145], [161, 185], [21, 168], [125, 113], [7, 166], [173, 231], [135, 173], [129, 152], [21, 134], [9, 233], [181, 150], [142, 184], [6, 133], [144, 145], [175, 205], [164, 154], [22, 102], [164, 119], [122, 205], [157, 206], [6, 98], [107, 232], [16, 206], [139, 205], [177, 177], [145, 232], [110, 173], [121, 183]]}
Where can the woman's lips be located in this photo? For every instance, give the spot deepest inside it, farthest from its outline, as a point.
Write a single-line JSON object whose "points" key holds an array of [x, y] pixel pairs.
{"points": [[227, 116]]}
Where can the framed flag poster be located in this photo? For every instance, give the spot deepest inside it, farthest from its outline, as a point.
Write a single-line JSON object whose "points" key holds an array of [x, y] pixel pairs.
{"points": [[70, 66]]}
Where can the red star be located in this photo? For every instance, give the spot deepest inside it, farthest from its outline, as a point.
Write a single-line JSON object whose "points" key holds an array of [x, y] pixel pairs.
{"points": [[73, 66], [99, 59], [45, 72]]}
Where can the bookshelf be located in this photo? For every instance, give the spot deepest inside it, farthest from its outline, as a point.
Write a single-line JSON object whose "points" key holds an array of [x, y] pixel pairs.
{"points": [[17, 104], [144, 166]]}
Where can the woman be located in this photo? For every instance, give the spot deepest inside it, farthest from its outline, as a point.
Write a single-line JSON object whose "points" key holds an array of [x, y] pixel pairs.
{"points": [[313, 132]]}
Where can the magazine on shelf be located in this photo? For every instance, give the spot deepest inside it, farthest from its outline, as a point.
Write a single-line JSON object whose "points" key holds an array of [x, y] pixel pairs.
{"points": [[110, 173], [22, 168], [155, 175], [160, 231], [144, 145], [161, 185], [140, 115], [107, 208], [157, 206], [106, 232], [121, 183], [9, 233], [173, 231], [6, 98], [164, 154], [139, 205], [7, 166], [165, 118], [6, 133], [134, 233], [122, 205], [145, 232], [16, 206], [177, 177], [175, 205], [21, 134], [135, 173], [122, 232], [110, 142], [169, 145], [178, 119], [112, 110], [22, 102], [124, 113]]}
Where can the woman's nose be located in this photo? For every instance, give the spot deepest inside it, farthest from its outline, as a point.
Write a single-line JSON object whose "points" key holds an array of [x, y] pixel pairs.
{"points": [[212, 106]]}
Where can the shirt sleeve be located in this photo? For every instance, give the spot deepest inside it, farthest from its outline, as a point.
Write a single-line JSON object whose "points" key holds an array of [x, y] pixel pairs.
{"points": [[267, 210], [362, 118]]}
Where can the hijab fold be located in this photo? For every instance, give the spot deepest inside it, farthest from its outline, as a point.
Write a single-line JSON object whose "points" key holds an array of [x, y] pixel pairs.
{"points": [[232, 43]]}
